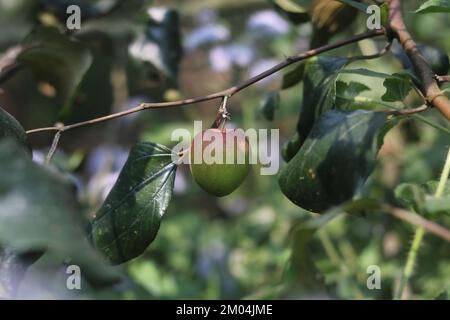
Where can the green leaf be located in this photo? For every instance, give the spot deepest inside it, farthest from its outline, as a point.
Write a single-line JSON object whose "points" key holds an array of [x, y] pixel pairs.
{"points": [[161, 42], [319, 93], [270, 103], [397, 87], [129, 219], [366, 73], [302, 273], [291, 147], [319, 90], [293, 76], [294, 10], [436, 206], [57, 59], [39, 211], [442, 296], [347, 95], [335, 160], [384, 14], [434, 6], [13, 266], [12, 129], [357, 206], [411, 196], [431, 187]]}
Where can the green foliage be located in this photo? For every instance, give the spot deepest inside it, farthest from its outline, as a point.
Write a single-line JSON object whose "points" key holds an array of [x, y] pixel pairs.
{"points": [[257, 242], [269, 104], [411, 196], [129, 219], [319, 90], [434, 6], [293, 75], [397, 87], [347, 94], [57, 59], [10, 128], [335, 160], [55, 224]]}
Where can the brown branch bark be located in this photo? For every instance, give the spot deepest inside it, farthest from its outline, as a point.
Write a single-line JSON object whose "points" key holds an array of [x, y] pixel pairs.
{"points": [[442, 79], [419, 221], [407, 112], [428, 84]]}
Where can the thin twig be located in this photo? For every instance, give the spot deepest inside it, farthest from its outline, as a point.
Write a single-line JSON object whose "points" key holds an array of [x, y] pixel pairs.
{"points": [[442, 79], [376, 55], [428, 84], [419, 221], [407, 112]]}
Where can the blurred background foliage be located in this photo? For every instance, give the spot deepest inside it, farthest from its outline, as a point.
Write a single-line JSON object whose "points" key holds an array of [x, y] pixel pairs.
{"points": [[238, 246]]}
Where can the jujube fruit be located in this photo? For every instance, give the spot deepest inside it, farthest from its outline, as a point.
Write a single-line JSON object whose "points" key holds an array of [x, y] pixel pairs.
{"points": [[219, 160]]}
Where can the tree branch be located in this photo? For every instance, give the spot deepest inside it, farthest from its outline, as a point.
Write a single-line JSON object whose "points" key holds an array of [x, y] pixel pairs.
{"points": [[442, 79], [428, 85], [221, 94], [420, 222], [407, 112]]}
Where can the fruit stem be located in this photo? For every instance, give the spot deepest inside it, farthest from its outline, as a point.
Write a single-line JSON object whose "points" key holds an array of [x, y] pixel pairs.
{"points": [[222, 114]]}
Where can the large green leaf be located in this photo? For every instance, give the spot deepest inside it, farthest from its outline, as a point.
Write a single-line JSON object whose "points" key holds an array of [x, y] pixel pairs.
{"points": [[293, 75], [335, 160], [269, 104], [57, 59], [13, 266], [319, 93], [129, 219], [39, 212], [434, 6], [319, 90], [12, 129]]}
